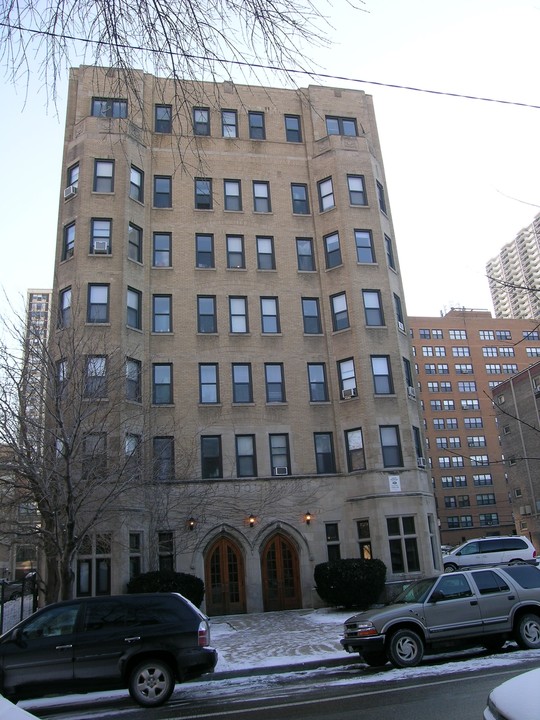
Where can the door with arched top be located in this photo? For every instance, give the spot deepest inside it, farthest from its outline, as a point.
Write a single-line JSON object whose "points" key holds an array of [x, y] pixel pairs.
{"points": [[224, 579], [280, 572]]}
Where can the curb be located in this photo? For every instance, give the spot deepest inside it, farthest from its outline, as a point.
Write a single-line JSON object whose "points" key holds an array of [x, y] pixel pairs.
{"points": [[287, 668]]}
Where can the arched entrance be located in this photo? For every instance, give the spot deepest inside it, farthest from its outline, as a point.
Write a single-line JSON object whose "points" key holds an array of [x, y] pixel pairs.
{"points": [[224, 579], [280, 575]]}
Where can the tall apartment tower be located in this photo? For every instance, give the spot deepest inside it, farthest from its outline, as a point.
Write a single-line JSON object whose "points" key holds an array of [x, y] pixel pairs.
{"points": [[514, 275], [234, 246], [461, 358]]}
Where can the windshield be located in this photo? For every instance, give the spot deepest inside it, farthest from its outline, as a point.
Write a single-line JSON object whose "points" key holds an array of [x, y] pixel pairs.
{"points": [[416, 592]]}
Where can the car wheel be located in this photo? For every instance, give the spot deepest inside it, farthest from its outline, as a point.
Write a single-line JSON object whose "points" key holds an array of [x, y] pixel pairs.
{"points": [[151, 682], [494, 644], [375, 659], [450, 567], [528, 632], [405, 649], [517, 561]]}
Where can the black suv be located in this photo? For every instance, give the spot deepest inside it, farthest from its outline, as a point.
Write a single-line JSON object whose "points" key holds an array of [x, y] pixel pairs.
{"points": [[144, 642]]}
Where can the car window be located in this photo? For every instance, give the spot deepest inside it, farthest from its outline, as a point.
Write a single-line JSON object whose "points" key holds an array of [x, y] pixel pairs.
{"points": [[161, 610], [515, 544], [416, 592], [53, 622], [453, 586], [491, 546], [489, 582], [106, 615], [469, 549], [525, 575]]}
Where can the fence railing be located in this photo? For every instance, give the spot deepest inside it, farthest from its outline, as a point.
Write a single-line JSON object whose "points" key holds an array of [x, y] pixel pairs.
{"points": [[18, 599]]}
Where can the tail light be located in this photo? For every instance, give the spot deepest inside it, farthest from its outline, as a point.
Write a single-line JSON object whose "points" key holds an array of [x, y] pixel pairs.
{"points": [[204, 634], [534, 554]]}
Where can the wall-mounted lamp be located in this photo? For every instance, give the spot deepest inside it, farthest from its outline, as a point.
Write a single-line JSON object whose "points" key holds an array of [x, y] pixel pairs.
{"points": [[191, 523], [307, 517], [251, 520]]}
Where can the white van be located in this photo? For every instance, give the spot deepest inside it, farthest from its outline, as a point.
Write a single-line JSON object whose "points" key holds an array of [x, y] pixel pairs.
{"points": [[490, 551]]}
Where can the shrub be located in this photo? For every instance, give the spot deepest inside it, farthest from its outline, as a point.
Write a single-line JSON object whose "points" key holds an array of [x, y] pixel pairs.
{"points": [[190, 586], [351, 582]]}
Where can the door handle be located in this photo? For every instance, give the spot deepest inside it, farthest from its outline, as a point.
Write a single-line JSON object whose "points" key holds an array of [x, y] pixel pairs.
{"points": [[64, 647], [474, 602], [132, 639], [511, 597]]}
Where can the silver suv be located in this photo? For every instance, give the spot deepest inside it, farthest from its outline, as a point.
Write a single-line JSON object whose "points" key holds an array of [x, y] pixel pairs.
{"points": [[490, 551], [471, 608]]}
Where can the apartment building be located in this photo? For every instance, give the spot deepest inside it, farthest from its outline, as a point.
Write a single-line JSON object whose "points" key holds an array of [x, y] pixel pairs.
{"points": [[514, 275], [234, 246], [516, 403], [461, 358]]}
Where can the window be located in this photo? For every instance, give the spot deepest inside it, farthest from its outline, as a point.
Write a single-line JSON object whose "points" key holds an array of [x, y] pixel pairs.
{"points": [[357, 193], [461, 480], [211, 461], [340, 313], [440, 350], [364, 541], [201, 121], [450, 501], [441, 443], [162, 389], [133, 454], [503, 334], [133, 380], [203, 194], [94, 565], [485, 499], [453, 522], [438, 423], [162, 191], [463, 368], [435, 404], [95, 377], [238, 316], [73, 180], [162, 313], [135, 559], [399, 313], [279, 454], [381, 197], [493, 369], [136, 184], [265, 253], [448, 405], [510, 369], [208, 384], [461, 351], [318, 390], [134, 243], [61, 376], [261, 197], [403, 544], [446, 387], [341, 126], [373, 307], [270, 315], [457, 334], [109, 107], [389, 252], [100, 240], [507, 352], [326, 194], [206, 314], [161, 251], [94, 460], [531, 334], [429, 368], [165, 551], [324, 453], [332, 541], [482, 479], [163, 118], [427, 351], [163, 458], [347, 377], [229, 123], [442, 369], [246, 461], [470, 405], [304, 254], [235, 252], [311, 316], [293, 129], [488, 519], [104, 176], [241, 383], [300, 199], [69, 241], [486, 334], [275, 384], [467, 386], [391, 446], [332, 250], [407, 370], [98, 304], [473, 422], [479, 460], [232, 190], [354, 443], [382, 375], [533, 351], [256, 125], [365, 252], [134, 302], [204, 251]]}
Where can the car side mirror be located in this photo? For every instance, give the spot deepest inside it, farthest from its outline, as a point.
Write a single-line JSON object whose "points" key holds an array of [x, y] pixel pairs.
{"points": [[436, 596], [16, 636]]}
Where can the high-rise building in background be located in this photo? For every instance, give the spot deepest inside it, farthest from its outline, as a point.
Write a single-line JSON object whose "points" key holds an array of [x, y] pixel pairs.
{"points": [[38, 313], [514, 275], [461, 358], [233, 246]]}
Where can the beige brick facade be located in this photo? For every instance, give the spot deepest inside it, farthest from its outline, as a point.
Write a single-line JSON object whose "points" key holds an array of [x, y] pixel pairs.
{"points": [[255, 284]]}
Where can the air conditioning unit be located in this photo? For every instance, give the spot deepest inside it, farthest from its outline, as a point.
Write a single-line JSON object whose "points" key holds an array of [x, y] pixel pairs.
{"points": [[411, 392], [349, 393], [421, 462], [70, 192], [281, 470], [101, 246]]}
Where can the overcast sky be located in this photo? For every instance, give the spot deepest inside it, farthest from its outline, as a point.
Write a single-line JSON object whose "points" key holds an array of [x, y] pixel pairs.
{"points": [[462, 174]]}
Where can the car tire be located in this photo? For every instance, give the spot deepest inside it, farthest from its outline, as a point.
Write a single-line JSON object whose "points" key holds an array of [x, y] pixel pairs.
{"points": [[528, 632], [151, 682], [405, 648], [375, 659], [450, 567]]}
